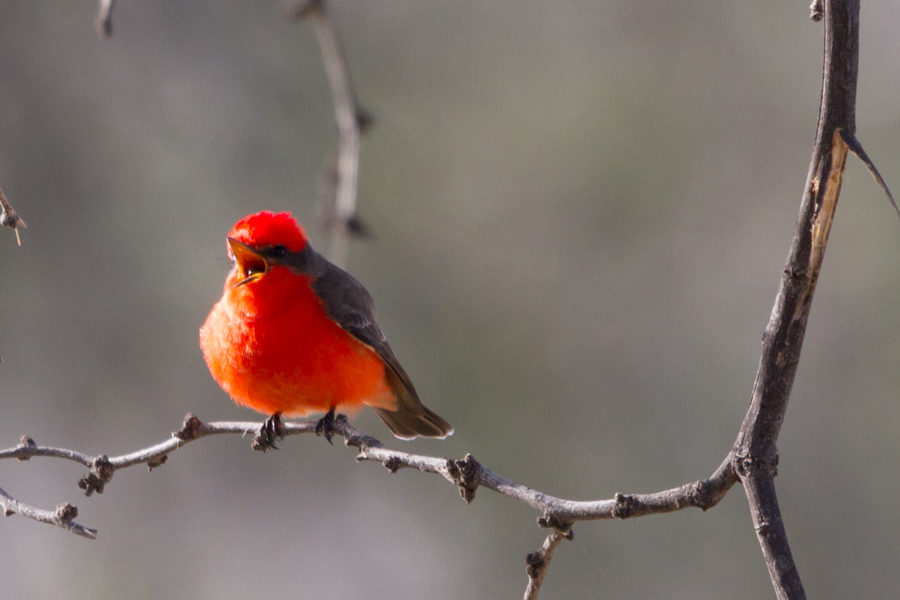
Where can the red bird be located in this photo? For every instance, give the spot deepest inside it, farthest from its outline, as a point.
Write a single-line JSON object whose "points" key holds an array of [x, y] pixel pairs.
{"points": [[295, 334]]}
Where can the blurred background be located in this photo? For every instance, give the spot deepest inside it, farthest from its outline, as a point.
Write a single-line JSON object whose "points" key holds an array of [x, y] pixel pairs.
{"points": [[581, 209]]}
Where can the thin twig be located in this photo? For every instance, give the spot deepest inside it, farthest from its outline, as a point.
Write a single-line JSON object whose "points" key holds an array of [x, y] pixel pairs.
{"points": [[102, 466], [350, 120], [538, 562], [9, 217], [61, 517]]}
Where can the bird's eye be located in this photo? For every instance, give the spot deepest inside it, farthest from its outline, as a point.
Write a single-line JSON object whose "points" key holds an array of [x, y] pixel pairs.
{"points": [[278, 251]]}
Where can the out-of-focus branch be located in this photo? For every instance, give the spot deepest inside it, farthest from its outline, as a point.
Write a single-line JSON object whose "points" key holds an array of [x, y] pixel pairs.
{"points": [[9, 217], [351, 120], [103, 22]]}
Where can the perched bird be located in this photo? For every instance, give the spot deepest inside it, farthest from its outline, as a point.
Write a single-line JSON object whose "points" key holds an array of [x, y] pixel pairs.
{"points": [[295, 334]]}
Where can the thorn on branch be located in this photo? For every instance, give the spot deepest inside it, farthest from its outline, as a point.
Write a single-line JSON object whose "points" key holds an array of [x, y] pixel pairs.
{"points": [[856, 146], [464, 473], [101, 472], [189, 429]]}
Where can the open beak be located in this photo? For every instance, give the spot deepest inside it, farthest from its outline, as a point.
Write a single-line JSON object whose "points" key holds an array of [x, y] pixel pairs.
{"points": [[251, 266]]}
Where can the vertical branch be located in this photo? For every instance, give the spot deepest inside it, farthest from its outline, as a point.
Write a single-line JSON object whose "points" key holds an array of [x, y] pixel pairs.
{"points": [[756, 456], [350, 120]]}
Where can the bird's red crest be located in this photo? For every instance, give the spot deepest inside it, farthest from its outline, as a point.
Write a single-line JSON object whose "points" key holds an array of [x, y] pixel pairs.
{"points": [[270, 229]]}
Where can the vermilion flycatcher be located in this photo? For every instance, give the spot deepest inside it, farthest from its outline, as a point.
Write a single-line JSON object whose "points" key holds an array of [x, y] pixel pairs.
{"points": [[295, 334]]}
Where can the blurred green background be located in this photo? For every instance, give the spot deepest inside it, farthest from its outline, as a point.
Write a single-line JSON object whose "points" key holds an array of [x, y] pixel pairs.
{"points": [[582, 210]]}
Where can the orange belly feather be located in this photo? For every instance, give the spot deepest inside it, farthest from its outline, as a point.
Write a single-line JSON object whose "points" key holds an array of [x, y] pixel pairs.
{"points": [[271, 346]]}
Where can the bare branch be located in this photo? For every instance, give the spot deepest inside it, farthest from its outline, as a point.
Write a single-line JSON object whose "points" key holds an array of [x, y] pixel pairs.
{"points": [[538, 562], [351, 120], [755, 452], [466, 474], [102, 467], [9, 217], [61, 517]]}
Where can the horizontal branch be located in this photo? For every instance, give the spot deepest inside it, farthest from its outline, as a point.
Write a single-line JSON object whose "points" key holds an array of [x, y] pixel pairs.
{"points": [[466, 474]]}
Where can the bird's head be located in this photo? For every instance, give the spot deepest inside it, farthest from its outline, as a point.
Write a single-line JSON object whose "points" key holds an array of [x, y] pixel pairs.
{"points": [[262, 241]]}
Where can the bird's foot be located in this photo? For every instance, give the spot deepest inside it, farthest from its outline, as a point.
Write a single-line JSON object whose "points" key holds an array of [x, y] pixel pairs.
{"points": [[325, 426], [271, 429]]}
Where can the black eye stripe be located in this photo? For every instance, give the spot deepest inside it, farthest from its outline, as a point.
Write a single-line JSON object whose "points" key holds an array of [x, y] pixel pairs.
{"points": [[278, 251]]}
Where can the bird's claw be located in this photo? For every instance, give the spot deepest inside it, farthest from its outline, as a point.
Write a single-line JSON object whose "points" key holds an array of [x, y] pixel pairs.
{"points": [[325, 426], [271, 429]]}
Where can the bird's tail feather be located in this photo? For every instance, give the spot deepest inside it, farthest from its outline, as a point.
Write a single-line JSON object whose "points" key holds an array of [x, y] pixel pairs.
{"points": [[411, 418], [407, 425]]}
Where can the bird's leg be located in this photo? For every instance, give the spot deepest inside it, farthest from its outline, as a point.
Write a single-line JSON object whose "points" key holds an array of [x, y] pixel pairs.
{"points": [[271, 429], [323, 427]]}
